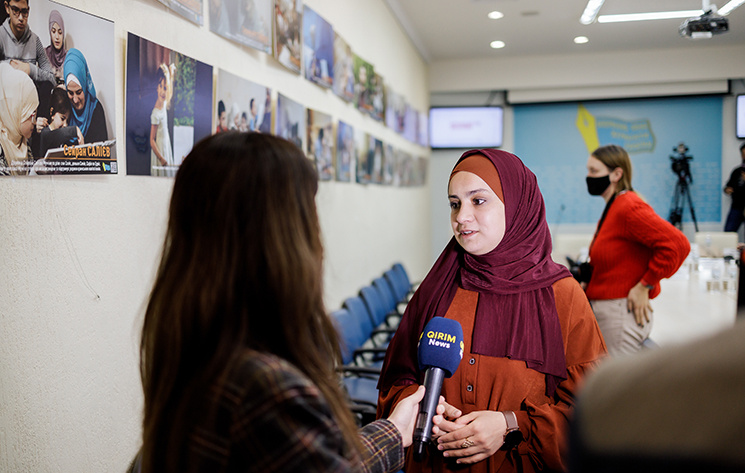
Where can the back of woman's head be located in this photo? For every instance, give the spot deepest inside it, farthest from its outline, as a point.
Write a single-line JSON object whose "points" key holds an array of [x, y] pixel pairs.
{"points": [[241, 268], [614, 156]]}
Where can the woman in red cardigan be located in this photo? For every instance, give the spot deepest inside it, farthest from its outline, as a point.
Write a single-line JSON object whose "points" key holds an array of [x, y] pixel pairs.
{"points": [[633, 249]]}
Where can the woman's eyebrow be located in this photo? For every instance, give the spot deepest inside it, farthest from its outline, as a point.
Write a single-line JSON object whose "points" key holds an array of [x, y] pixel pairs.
{"points": [[469, 193]]}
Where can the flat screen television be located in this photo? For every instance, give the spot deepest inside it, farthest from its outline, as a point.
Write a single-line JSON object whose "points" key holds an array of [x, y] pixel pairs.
{"points": [[466, 127], [740, 116]]}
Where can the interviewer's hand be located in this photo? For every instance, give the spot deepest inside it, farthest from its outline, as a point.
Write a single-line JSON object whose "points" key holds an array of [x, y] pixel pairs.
{"points": [[404, 415]]}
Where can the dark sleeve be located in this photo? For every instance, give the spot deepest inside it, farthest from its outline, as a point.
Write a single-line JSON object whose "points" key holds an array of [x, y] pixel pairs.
{"points": [[42, 71], [734, 177], [97, 129], [284, 424]]}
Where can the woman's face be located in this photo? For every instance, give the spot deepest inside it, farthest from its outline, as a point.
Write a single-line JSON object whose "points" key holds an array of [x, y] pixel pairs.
{"points": [[596, 168], [27, 125], [57, 36], [476, 213], [76, 96]]}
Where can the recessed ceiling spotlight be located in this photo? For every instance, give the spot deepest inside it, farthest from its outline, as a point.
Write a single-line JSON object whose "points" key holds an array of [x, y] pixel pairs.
{"points": [[495, 15], [497, 44], [581, 40]]}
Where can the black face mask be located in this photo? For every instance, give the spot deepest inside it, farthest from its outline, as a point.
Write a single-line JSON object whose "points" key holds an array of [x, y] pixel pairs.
{"points": [[597, 185]]}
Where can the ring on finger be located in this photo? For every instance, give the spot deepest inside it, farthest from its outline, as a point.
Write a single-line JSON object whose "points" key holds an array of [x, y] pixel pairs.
{"points": [[467, 443]]}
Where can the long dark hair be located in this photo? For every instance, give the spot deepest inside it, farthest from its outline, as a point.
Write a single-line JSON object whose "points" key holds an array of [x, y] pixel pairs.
{"points": [[241, 268]]}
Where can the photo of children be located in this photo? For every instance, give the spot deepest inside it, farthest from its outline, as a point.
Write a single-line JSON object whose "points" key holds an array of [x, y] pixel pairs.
{"points": [[74, 49], [320, 143], [247, 22], [318, 48], [250, 107], [169, 103], [189, 9], [343, 69], [288, 20], [363, 85], [345, 151], [291, 120]]}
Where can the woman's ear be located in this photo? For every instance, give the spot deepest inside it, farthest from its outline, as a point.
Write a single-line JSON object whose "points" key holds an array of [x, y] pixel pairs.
{"points": [[616, 175]]}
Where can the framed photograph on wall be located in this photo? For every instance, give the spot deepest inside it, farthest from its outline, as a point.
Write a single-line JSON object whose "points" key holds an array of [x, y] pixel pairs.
{"points": [[189, 9], [78, 118], [318, 49], [242, 105], [169, 107], [290, 120], [345, 151], [320, 143], [288, 21], [247, 22], [343, 69]]}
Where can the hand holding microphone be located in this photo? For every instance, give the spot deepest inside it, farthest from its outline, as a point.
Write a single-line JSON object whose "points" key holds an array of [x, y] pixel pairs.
{"points": [[440, 351]]}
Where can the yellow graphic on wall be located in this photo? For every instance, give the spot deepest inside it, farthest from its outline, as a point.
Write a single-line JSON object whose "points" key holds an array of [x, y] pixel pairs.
{"points": [[635, 136], [587, 128]]}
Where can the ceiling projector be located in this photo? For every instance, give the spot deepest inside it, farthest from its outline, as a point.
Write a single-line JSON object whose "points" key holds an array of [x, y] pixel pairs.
{"points": [[704, 26]]}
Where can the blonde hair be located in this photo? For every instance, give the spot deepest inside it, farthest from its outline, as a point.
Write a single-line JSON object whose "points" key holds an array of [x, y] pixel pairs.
{"points": [[614, 156]]}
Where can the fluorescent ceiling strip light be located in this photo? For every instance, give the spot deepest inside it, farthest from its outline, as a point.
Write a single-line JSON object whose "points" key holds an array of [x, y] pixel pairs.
{"points": [[591, 11], [661, 15], [727, 9]]}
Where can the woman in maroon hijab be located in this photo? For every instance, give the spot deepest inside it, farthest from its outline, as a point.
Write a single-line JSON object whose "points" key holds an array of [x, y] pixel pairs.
{"points": [[530, 334]]}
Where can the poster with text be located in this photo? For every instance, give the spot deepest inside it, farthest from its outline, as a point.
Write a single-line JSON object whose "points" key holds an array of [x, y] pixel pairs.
{"points": [[320, 143], [242, 105], [318, 49], [74, 131], [189, 9], [246, 22], [169, 107], [288, 21], [291, 120]]}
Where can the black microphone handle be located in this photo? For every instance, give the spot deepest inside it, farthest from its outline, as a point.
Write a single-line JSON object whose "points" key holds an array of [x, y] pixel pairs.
{"points": [[433, 378]]}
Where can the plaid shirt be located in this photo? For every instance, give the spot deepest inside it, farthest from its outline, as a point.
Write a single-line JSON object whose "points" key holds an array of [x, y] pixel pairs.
{"points": [[271, 417]]}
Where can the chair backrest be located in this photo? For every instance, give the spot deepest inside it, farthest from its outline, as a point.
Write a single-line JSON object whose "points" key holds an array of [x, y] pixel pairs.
{"points": [[402, 271], [398, 285], [350, 333], [356, 306], [371, 296], [389, 300]]}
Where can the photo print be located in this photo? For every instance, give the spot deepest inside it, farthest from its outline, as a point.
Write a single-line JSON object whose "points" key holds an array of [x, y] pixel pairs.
{"points": [[242, 105], [370, 162], [343, 69], [248, 22], [411, 125], [363, 74], [423, 134], [169, 107], [318, 49], [189, 9], [390, 155], [288, 21], [377, 98], [57, 111], [320, 143], [290, 120], [395, 111], [345, 151]]}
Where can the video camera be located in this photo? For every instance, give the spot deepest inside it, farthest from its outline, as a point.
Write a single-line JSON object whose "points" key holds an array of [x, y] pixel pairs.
{"points": [[680, 162]]}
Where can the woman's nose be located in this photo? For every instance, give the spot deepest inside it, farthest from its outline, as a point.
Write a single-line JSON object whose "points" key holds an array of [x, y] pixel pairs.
{"points": [[463, 215]]}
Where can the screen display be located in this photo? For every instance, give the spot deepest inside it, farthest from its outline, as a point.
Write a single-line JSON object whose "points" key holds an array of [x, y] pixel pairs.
{"points": [[466, 127], [740, 120]]}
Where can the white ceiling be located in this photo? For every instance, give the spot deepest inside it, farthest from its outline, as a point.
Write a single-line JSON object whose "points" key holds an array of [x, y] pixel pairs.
{"points": [[459, 29]]}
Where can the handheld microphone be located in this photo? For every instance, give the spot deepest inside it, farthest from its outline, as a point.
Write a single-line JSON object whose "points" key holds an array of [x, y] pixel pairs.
{"points": [[440, 351]]}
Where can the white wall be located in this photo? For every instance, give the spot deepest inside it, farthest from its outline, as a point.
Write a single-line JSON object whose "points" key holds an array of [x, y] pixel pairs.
{"points": [[80, 251]]}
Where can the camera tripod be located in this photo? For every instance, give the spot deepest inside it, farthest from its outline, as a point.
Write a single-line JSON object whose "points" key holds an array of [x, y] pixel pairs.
{"points": [[681, 194]]}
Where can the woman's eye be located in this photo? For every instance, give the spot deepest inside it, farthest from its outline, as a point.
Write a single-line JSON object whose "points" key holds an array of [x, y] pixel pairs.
{"points": [[454, 205], [478, 201]]}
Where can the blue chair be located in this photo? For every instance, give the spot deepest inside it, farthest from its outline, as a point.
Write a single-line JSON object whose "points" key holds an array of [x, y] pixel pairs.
{"points": [[399, 287], [393, 316], [357, 307], [399, 268]]}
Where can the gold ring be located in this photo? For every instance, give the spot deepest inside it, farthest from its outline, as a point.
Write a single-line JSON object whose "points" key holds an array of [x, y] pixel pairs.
{"points": [[468, 443]]}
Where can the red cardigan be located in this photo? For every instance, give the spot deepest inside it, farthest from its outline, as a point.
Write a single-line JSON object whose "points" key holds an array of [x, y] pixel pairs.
{"points": [[634, 244]]}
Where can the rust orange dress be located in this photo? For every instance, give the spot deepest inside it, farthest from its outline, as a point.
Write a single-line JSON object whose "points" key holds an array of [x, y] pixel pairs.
{"points": [[500, 384]]}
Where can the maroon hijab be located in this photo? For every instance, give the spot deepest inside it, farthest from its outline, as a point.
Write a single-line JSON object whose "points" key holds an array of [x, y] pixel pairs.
{"points": [[516, 314]]}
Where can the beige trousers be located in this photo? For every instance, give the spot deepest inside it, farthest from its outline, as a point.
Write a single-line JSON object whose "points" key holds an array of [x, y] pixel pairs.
{"points": [[621, 333]]}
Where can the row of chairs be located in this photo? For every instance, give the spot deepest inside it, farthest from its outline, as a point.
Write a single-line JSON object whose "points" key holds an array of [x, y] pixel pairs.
{"points": [[366, 323]]}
